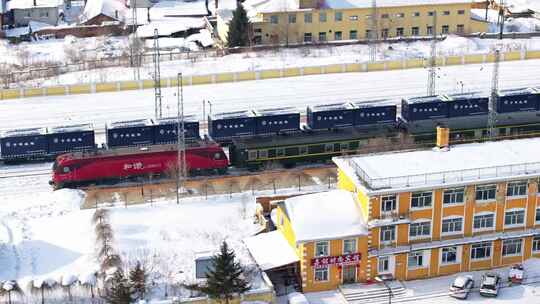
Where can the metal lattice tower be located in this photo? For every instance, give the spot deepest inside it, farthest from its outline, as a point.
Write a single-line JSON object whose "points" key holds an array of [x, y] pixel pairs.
{"points": [[181, 164], [492, 117], [134, 53], [373, 32], [433, 59], [157, 77]]}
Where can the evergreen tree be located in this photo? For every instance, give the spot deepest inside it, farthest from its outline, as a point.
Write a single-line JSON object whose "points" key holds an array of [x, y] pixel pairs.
{"points": [[238, 28], [225, 279], [137, 279], [119, 290]]}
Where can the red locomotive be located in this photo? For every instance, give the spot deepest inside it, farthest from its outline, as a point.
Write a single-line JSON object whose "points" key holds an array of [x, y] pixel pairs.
{"points": [[79, 168]]}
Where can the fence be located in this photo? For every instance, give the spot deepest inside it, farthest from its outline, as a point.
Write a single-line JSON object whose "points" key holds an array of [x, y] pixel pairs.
{"points": [[262, 74]]}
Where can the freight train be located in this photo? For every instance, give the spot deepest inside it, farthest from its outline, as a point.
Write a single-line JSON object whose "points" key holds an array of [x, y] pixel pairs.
{"points": [[258, 138]]}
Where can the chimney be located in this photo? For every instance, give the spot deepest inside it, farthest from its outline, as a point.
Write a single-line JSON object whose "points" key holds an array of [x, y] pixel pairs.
{"points": [[443, 137]]}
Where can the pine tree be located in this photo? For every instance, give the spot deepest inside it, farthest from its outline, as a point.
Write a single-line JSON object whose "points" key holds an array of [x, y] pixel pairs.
{"points": [[119, 291], [225, 279], [137, 279], [238, 28]]}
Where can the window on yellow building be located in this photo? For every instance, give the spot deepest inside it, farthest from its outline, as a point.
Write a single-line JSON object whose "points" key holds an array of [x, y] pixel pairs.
{"points": [[431, 13], [452, 225], [415, 259], [511, 247], [322, 38], [536, 244], [388, 203], [353, 35], [486, 192], [388, 233], [429, 30], [537, 216], [514, 217], [322, 17], [368, 34], [449, 255], [338, 16], [415, 31], [308, 37], [484, 221], [292, 18], [445, 29], [460, 28], [454, 196], [385, 16], [384, 33], [420, 229], [321, 249], [308, 18], [481, 251], [384, 264], [353, 17], [446, 13], [349, 246], [516, 188], [321, 274], [421, 199], [400, 15], [461, 12], [399, 32], [274, 19], [338, 35], [416, 14]]}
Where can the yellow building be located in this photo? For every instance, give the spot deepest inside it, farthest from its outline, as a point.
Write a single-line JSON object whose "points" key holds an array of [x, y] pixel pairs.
{"points": [[438, 212], [309, 21]]}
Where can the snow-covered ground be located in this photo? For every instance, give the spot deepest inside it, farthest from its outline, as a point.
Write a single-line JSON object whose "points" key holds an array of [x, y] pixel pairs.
{"points": [[296, 91]]}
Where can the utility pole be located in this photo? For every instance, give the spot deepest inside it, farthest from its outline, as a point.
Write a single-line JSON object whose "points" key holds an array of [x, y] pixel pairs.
{"points": [[134, 60], [181, 140], [433, 58], [157, 77], [492, 116], [373, 32]]}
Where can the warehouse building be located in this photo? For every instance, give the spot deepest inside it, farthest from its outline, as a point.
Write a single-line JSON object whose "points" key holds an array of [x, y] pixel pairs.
{"points": [[412, 215], [314, 21]]}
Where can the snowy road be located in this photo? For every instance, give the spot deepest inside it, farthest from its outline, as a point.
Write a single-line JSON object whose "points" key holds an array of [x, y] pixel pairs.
{"points": [[297, 91]]}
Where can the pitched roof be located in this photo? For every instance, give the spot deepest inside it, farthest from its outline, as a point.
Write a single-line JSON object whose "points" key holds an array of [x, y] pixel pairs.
{"points": [[115, 9], [23, 4]]}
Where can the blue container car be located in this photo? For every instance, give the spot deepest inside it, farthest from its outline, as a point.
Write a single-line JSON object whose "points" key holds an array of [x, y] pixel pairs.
{"points": [[226, 125], [165, 129], [130, 133], [70, 138], [371, 112], [467, 104], [518, 100], [24, 144], [277, 120], [330, 116], [425, 107]]}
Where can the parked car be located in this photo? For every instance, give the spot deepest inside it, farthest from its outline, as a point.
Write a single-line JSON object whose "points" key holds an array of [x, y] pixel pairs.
{"points": [[516, 273], [461, 287], [489, 287], [297, 298]]}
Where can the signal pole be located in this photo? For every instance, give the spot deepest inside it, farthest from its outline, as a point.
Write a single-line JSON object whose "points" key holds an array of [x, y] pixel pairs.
{"points": [[492, 106], [157, 77], [181, 143], [433, 58]]}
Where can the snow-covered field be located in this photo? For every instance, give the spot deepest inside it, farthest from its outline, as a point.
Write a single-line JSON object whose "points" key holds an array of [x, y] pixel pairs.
{"points": [[296, 91]]}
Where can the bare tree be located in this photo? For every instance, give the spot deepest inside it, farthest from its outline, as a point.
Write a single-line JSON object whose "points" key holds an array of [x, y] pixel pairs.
{"points": [[67, 282], [100, 216], [42, 287], [10, 288], [89, 283]]}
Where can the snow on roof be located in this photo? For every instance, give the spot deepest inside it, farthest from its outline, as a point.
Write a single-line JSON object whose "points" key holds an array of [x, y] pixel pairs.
{"points": [[324, 216], [271, 250], [384, 102], [520, 91], [461, 96], [24, 4], [341, 4], [204, 37], [332, 107], [169, 26], [268, 6], [72, 128], [277, 111], [460, 165], [130, 123], [424, 99], [115, 9], [173, 120], [234, 114], [24, 132]]}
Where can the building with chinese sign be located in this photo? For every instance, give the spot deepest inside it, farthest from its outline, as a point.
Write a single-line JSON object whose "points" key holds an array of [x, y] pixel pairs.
{"points": [[441, 211]]}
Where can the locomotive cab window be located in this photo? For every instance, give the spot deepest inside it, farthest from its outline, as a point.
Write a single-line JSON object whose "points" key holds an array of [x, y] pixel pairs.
{"points": [[66, 170]]}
